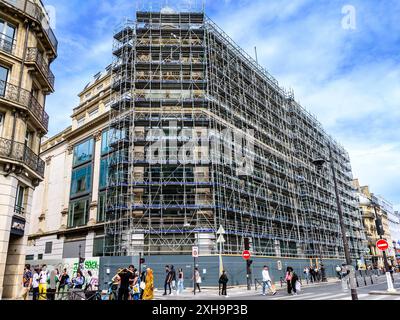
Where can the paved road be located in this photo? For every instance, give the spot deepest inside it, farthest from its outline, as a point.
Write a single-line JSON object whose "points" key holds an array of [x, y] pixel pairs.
{"points": [[330, 291]]}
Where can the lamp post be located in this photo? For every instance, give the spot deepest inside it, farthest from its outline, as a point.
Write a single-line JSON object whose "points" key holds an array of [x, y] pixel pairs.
{"points": [[319, 163], [220, 241]]}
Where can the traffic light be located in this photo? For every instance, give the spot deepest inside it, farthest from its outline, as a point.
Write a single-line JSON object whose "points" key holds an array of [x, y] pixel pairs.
{"points": [[249, 263], [246, 244], [379, 227]]}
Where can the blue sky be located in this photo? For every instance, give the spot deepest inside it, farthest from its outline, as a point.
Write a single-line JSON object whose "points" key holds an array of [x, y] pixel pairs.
{"points": [[348, 78]]}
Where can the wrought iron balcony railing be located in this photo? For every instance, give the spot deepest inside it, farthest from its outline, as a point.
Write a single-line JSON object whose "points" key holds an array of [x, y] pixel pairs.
{"points": [[7, 44], [19, 152], [33, 55], [24, 98], [37, 13]]}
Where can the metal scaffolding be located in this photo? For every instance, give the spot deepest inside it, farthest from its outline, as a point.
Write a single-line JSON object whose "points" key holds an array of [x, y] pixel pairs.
{"points": [[179, 83]]}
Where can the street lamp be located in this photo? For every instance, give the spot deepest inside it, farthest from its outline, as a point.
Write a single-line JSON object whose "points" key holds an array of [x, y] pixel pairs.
{"points": [[319, 163], [220, 241]]}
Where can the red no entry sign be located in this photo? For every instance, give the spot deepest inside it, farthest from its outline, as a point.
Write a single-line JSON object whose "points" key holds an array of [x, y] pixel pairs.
{"points": [[246, 255], [382, 245]]}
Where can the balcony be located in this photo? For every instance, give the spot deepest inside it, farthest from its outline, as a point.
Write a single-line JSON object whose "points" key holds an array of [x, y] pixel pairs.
{"points": [[37, 13], [19, 152], [14, 94], [46, 77], [7, 44]]}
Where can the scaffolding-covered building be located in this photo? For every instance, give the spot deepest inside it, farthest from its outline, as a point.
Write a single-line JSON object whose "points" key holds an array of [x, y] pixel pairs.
{"points": [[203, 136]]}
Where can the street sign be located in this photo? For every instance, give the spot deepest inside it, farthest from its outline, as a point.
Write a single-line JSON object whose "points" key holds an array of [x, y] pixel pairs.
{"points": [[246, 255], [221, 230], [382, 245], [195, 252], [221, 239]]}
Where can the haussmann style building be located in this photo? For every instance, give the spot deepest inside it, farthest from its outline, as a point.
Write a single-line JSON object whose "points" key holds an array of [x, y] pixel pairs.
{"points": [[27, 47]]}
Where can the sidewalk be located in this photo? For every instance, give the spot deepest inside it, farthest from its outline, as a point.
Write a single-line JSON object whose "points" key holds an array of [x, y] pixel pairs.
{"points": [[235, 291]]}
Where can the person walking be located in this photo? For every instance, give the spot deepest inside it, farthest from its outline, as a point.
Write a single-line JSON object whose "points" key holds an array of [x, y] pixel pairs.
{"points": [[167, 282], [312, 273], [306, 272], [197, 279], [173, 277], [288, 279], [63, 285], [26, 281], [35, 284], [148, 292], [43, 275], [52, 282], [180, 281], [142, 284], [266, 281], [295, 282], [223, 280]]}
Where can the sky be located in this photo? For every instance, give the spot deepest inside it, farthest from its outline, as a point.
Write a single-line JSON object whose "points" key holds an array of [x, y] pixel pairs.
{"points": [[341, 58]]}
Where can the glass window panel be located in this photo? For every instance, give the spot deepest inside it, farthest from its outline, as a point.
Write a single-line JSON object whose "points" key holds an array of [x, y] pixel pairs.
{"points": [[81, 181], [101, 209], [98, 245], [83, 152], [78, 213], [103, 173]]}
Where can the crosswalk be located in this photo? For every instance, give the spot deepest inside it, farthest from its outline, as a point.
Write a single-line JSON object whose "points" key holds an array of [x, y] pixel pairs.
{"points": [[333, 296]]}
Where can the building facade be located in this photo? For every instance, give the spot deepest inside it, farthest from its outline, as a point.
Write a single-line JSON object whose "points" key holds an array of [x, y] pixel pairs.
{"points": [[69, 207], [198, 135], [385, 210], [27, 47]]}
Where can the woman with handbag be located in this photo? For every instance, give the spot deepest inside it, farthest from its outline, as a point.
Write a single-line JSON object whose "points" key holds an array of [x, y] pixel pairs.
{"points": [[197, 279]]}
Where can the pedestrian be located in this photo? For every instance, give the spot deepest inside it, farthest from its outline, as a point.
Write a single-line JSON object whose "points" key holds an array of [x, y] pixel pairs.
{"points": [[173, 277], [180, 281], [148, 292], [63, 285], [223, 280], [313, 275], [43, 275], [35, 284], [52, 282], [26, 281], [125, 277], [317, 274], [339, 272], [288, 279], [296, 286], [142, 284], [306, 272], [79, 280], [266, 281], [136, 286], [197, 279], [167, 282]]}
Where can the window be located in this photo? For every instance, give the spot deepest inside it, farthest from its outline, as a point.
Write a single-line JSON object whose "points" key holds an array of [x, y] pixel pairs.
{"points": [[19, 201], [48, 247], [29, 139], [88, 95], [93, 113], [101, 208], [100, 87], [81, 122], [3, 79], [103, 173], [7, 36], [40, 256], [30, 257], [108, 137], [81, 181], [2, 119], [98, 245], [83, 152], [78, 213]]}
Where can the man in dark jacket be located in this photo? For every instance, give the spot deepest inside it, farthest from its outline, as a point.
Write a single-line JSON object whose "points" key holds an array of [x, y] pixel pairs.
{"points": [[223, 280], [167, 283]]}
